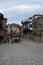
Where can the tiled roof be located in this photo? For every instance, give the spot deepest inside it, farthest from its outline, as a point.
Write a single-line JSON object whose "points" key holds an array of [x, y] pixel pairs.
{"points": [[36, 15], [15, 25]]}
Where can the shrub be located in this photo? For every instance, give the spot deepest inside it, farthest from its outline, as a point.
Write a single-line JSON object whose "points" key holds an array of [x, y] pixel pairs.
{"points": [[36, 33], [33, 33]]}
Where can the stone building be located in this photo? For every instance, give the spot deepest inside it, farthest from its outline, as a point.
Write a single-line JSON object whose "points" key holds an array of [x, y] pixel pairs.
{"points": [[14, 27], [33, 27], [2, 27], [37, 26], [37, 23]]}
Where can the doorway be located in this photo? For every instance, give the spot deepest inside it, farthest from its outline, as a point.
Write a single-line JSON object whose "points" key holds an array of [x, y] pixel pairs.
{"points": [[1, 38]]}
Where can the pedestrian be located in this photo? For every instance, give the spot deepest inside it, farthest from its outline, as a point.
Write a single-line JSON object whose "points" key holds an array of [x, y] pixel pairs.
{"points": [[8, 40], [11, 38]]}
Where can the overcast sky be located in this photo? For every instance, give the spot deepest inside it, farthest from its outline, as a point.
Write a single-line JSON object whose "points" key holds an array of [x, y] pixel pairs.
{"points": [[17, 10]]}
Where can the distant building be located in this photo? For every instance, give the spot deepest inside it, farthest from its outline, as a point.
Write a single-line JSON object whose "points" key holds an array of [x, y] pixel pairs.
{"points": [[2, 27], [14, 27], [27, 25]]}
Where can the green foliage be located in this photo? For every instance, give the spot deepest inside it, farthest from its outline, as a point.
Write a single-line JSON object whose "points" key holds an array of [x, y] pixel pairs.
{"points": [[33, 33], [36, 33], [14, 32]]}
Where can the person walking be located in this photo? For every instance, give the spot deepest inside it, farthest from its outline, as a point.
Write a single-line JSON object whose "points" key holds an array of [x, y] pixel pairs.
{"points": [[8, 40]]}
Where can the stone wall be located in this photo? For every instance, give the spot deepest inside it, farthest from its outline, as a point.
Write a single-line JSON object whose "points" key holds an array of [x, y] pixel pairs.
{"points": [[35, 38], [32, 37]]}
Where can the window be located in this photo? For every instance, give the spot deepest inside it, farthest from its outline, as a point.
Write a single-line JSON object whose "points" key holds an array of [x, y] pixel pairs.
{"points": [[30, 25], [38, 19], [24, 26], [1, 26], [27, 26], [10, 26]]}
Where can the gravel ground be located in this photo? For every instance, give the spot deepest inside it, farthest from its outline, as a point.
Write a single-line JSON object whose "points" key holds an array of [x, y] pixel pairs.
{"points": [[26, 52]]}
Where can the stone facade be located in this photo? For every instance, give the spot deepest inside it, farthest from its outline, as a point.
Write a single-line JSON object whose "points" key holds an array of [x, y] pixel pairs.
{"points": [[37, 23], [2, 27], [13, 27], [37, 26]]}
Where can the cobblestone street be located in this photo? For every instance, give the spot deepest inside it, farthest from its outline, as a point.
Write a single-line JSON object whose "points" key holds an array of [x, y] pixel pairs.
{"points": [[26, 52]]}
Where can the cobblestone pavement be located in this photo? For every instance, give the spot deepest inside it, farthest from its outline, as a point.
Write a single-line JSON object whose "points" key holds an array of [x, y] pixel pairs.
{"points": [[26, 52]]}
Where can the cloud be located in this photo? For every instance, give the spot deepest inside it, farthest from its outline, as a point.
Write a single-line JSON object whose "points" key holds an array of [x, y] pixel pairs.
{"points": [[20, 12], [23, 8], [17, 10], [1, 10]]}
